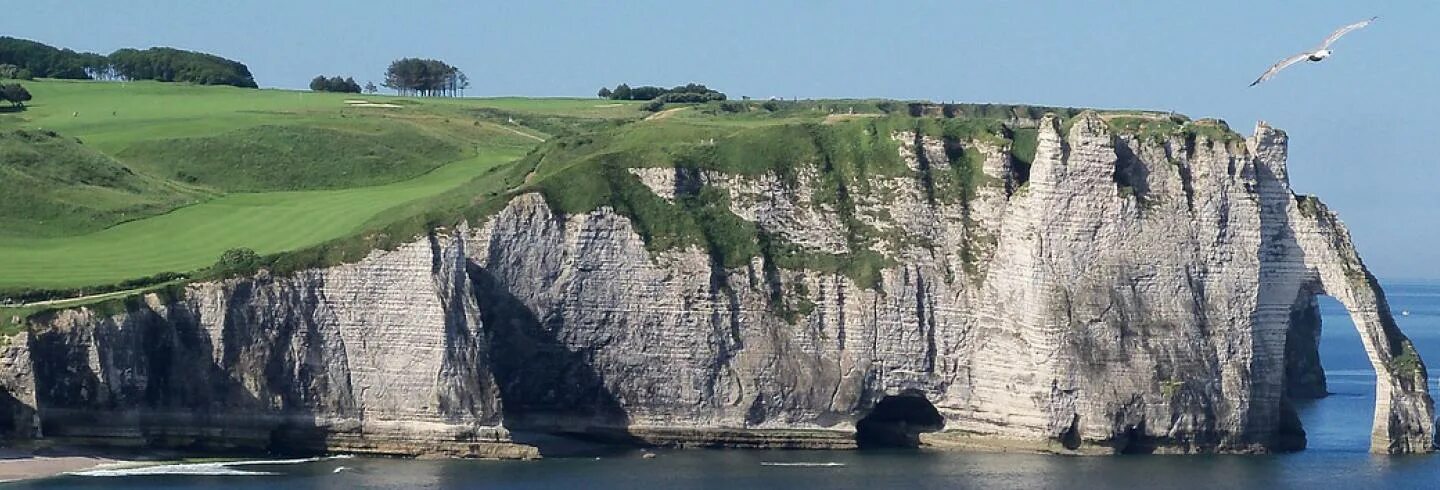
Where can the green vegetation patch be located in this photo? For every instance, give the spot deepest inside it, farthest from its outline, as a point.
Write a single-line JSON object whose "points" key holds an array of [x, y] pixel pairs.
{"points": [[193, 237], [284, 157], [52, 185], [591, 171]]}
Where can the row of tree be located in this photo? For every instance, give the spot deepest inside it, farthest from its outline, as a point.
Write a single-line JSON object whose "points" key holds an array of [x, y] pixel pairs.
{"points": [[335, 84], [163, 64], [14, 93], [690, 92], [425, 77]]}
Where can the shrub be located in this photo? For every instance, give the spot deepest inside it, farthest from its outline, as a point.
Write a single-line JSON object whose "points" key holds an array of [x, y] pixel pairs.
{"points": [[655, 105], [236, 262], [15, 94]]}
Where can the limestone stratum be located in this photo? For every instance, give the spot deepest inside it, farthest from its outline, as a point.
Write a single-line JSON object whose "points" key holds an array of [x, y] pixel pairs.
{"points": [[966, 276]]}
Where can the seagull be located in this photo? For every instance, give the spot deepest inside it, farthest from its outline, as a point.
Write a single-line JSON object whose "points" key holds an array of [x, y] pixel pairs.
{"points": [[1314, 56]]}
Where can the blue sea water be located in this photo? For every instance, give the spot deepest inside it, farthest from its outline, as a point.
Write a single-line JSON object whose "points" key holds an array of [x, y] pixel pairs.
{"points": [[1338, 429]]}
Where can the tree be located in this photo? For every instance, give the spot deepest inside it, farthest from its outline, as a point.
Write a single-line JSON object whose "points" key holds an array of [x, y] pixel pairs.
{"points": [[334, 84], [424, 77], [604, 92], [370, 88], [621, 92], [462, 82], [15, 94], [688, 93]]}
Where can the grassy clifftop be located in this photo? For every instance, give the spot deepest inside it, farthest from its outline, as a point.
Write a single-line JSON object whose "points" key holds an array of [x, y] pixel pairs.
{"points": [[309, 179], [107, 182]]}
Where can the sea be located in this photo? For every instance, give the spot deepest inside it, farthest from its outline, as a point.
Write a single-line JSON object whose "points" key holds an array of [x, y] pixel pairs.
{"points": [[1338, 429]]}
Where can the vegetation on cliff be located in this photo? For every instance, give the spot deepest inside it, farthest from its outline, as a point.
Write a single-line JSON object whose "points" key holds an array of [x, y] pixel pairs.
{"points": [[307, 179]]}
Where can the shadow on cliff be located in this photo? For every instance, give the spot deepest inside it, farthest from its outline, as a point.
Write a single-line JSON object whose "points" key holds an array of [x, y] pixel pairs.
{"points": [[1301, 346], [150, 379], [546, 387]]}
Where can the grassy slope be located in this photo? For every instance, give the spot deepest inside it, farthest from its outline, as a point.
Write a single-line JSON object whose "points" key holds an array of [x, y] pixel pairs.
{"points": [[273, 157], [134, 118], [52, 183]]}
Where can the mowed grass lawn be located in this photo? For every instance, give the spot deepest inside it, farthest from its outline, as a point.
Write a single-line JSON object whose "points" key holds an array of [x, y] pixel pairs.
{"points": [[193, 237], [130, 121]]}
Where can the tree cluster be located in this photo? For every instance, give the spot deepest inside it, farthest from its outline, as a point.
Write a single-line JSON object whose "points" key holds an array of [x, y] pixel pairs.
{"points": [[690, 92], [14, 93], [162, 64], [175, 65], [46, 61], [13, 72], [334, 84], [425, 77]]}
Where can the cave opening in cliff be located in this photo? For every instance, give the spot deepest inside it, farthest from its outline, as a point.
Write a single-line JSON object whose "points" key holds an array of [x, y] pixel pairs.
{"points": [[898, 421]]}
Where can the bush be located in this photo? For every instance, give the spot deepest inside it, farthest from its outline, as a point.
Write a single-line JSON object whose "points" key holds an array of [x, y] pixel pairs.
{"points": [[15, 94], [655, 105], [237, 262], [690, 97]]}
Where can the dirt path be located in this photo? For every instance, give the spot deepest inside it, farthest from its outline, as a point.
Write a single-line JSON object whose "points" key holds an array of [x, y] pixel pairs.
{"points": [[664, 114], [521, 133]]}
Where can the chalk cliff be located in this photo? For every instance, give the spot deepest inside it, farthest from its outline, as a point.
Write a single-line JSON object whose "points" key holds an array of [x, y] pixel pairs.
{"points": [[1122, 292]]}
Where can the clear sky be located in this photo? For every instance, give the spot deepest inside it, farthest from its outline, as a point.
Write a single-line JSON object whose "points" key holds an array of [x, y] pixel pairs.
{"points": [[1361, 124]]}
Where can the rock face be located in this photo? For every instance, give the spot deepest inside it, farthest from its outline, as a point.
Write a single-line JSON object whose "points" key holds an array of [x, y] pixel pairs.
{"points": [[1127, 294], [382, 356]]}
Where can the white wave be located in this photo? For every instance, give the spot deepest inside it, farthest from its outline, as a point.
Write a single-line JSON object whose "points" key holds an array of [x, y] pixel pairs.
{"points": [[1349, 372], [223, 468], [801, 464]]}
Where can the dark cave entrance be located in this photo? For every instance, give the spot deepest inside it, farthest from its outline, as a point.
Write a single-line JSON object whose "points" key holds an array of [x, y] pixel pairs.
{"points": [[898, 421]]}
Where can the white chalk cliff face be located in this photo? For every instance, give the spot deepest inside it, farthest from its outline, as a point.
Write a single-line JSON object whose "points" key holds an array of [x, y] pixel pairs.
{"points": [[1130, 294]]}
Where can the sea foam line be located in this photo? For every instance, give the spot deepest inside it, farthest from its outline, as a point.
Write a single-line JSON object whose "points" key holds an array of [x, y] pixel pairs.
{"points": [[223, 468]]}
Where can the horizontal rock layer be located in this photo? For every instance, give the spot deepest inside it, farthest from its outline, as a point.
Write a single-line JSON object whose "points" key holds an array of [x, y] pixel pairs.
{"points": [[1126, 294]]}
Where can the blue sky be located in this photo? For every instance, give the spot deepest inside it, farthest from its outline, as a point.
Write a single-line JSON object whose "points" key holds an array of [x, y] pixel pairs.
{"points": [[1361, 124]]}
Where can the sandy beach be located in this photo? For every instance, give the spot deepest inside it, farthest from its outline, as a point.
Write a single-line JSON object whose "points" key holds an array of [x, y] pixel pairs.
{"points": [[18, 464]]}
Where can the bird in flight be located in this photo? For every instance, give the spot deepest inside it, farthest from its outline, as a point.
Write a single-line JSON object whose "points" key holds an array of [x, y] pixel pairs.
{"points": [[1314, 56]]}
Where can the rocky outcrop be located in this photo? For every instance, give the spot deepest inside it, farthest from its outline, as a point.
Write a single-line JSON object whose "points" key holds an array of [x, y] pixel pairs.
{"points": [[1130, 293], [383, 356]]}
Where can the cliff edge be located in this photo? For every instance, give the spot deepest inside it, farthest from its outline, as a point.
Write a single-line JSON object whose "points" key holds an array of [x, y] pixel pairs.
{"points": [[1122, 290]]}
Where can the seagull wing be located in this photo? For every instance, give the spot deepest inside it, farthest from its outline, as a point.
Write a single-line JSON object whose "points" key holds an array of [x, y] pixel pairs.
{"points": [[1334, 36], [1285, 63]]}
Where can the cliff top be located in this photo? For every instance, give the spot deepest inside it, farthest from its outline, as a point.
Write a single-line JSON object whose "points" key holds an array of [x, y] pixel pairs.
{"points": [[308, 179]]}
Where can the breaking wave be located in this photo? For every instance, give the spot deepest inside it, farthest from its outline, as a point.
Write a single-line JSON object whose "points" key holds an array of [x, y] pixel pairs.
{"points": [[223, 468]]}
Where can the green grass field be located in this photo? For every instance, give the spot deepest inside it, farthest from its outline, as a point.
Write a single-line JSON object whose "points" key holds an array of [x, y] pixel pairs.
{"points": [[193, 237], [180, 164]]}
